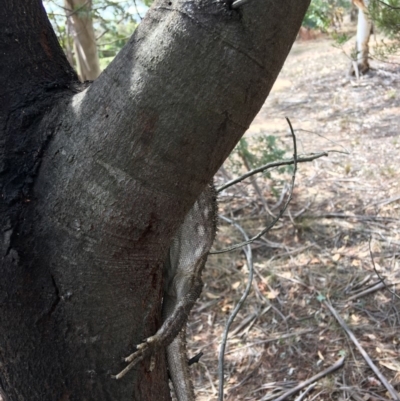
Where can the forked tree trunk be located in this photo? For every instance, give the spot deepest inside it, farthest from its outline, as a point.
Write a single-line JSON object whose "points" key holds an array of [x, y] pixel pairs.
{"points": [[94, 182], [85, 48]]}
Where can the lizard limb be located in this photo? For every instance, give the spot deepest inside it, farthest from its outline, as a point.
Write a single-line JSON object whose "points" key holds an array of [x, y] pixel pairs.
{"points": [[182, 286]]}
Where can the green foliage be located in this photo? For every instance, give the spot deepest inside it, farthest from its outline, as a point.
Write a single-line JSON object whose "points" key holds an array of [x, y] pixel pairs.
{"points": [[113, 38], [383, 49], [340, 38], [322, 14], [317, 15], [262, 149], [386, 16], [113, 21]]}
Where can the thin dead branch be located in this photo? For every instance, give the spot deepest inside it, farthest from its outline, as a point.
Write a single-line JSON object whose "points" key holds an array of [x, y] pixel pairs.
{"points": [[311, 380], [382, 280], [388, 5], [282, 211], [249, 259], [350, 216], [280, 163], [274, 338], [353, 338], [360, 294], [305, 392], [385, 202]]}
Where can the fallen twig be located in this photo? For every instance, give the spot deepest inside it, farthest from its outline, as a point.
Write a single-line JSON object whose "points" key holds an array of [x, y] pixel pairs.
{"points": [[338, 364], [353, 338], [316, 395], [271, 339], [349, 216], [385, 202], [360, 294], [356, 287], [382, 280], [245, 322], [257, 365], [305, 392], [296, 250]]}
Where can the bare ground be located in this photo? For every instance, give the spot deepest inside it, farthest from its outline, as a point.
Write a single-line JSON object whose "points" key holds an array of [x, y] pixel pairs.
{"points": [[319, 251]]}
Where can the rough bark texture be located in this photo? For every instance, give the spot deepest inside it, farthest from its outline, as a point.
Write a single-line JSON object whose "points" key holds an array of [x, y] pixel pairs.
{"points": [[87, 59], [94, 183]]}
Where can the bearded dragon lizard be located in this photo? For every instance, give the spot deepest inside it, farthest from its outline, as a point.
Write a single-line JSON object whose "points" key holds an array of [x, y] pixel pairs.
{"points": [[182, 287]]}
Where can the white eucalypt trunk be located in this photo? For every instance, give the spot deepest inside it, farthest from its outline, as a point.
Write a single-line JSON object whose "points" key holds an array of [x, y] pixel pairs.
{"points": [[364, 29], [80, 20]]}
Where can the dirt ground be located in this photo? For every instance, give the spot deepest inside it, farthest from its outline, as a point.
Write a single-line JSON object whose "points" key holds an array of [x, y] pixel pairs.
{"points": [[318, 254]]}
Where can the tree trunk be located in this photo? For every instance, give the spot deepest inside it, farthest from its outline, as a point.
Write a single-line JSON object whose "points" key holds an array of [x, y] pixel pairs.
{"points": [[95, 181], [80, 20], [364, 30]]}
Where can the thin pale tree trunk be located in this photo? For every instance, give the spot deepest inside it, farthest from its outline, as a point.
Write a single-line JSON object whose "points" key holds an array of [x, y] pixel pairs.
{"points": [[81, 24], [364, 30]]}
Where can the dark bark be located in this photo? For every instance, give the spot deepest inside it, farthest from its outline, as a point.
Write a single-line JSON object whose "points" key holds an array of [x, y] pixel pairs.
{"points": [[95, 183]]}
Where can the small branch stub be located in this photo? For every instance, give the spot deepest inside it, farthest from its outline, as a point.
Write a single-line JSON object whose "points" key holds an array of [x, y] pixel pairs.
{"points": [[236, 4]]}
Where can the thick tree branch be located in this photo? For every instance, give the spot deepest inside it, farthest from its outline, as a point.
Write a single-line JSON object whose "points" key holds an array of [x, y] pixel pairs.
{"points": [[173, 88], [95, 184], [32, 59]]}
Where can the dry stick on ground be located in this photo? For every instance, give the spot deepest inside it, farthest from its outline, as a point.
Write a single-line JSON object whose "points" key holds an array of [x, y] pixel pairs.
{"points": [[350, 216], [353, 338], [305, 392], [358, 285], [248, 320], [282, 211], [249, 259], [316, 395], [255, 367], [376, 287], [301, 211], [311, 380], [385, 201], [382, 280], [274, 338]]}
